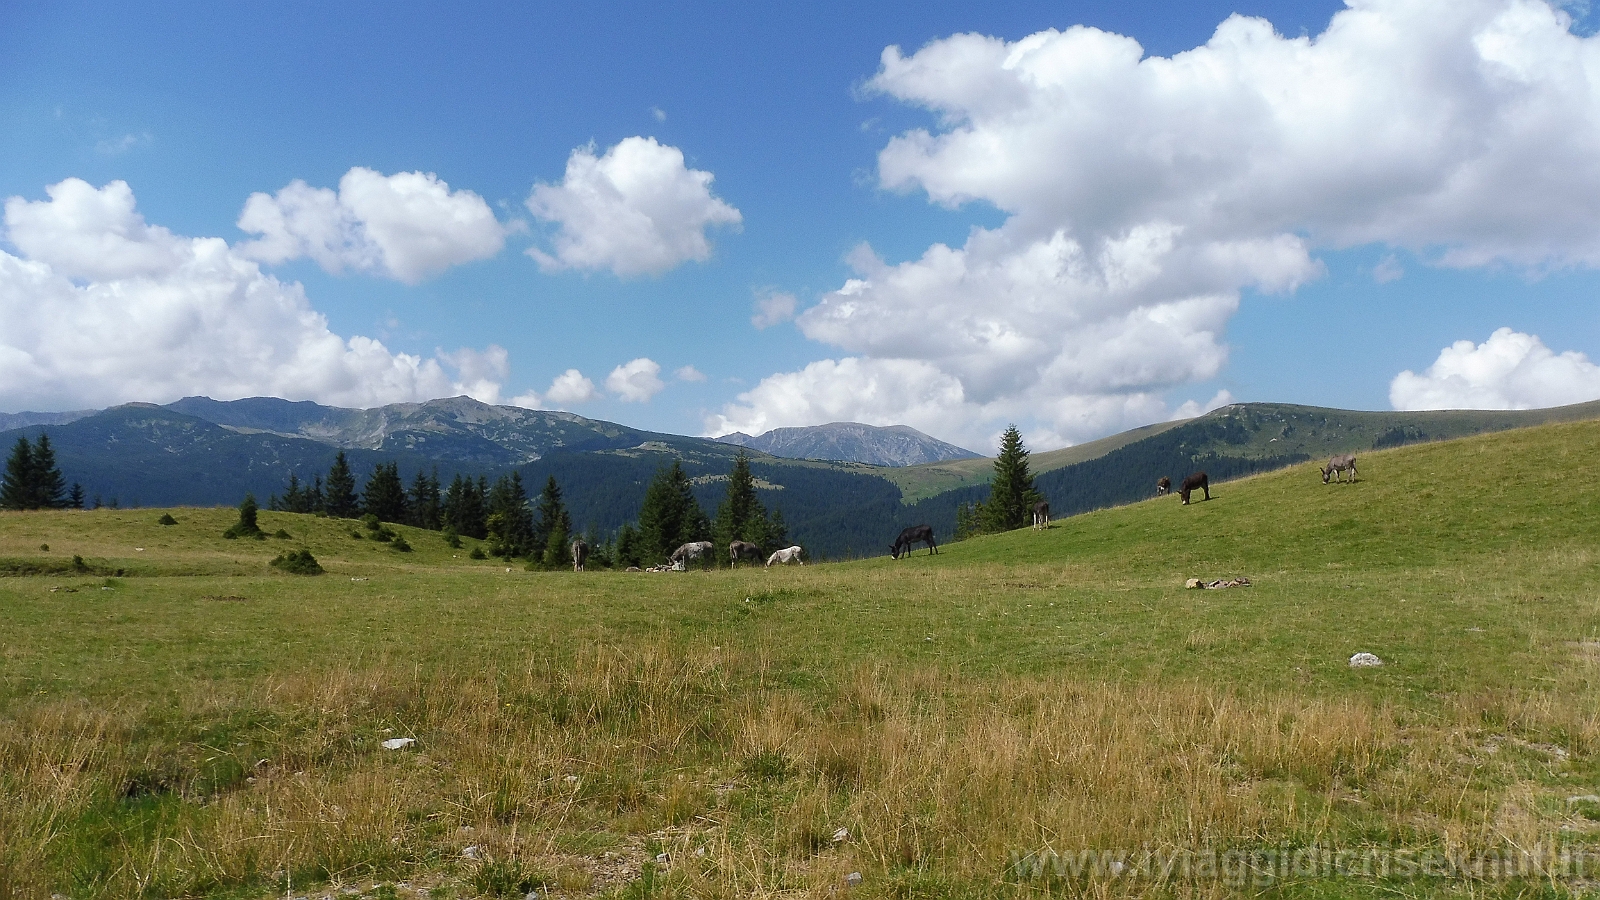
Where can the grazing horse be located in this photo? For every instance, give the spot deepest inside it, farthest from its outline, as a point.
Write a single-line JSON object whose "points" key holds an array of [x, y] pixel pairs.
{"points": [[580, 554], [690, 551], [1197, 480], [1041, 514], [1339, 464], [742, 550], [916, 534], [787, 554], [1163, 486]]}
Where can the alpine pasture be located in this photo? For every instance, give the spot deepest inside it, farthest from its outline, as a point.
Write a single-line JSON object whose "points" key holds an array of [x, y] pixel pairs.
{"points": [[202, 725]]}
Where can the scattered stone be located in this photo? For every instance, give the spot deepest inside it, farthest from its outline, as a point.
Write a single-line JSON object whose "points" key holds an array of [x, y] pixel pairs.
{"points": [[700, 851], [1197, 583], [571, 779], [663, 859], [398, 743], [359, 579], [1584, 798], [852, 880], [470, 852], [1364, 660], [633, 569], [841, 835]]}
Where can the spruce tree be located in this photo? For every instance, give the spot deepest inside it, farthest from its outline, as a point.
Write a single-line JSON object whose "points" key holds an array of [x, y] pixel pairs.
{"points": [[293, 499], [339, 491], [1011, 493], [552, 517], [16, 488], [628, 550], [740, 516], [510, 522], [384, 495], [75, 497], [423, 501], [670, 515], [314, 502], [557, 544], [49, 487]]}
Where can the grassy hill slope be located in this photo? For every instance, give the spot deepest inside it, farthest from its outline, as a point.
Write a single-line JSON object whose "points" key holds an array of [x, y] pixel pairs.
{"points": [[1256, 431], [204, 726]]}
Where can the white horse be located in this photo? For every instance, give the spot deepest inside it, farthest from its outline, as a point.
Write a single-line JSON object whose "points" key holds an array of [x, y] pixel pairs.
{"points": [[787, 554]]}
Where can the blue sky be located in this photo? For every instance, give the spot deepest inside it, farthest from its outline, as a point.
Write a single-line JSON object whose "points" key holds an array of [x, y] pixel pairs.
{"points": [[1328, 257]]}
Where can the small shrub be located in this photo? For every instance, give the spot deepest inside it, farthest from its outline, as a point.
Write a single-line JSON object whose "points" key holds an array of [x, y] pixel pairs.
{"points": [[78, 565], [355, 534], [281, 534], [477, 553], [166, 519], [246, 527], [451, 538], [45, 547], [383, 535], [400, 544], [298, 562], [371, 521]]}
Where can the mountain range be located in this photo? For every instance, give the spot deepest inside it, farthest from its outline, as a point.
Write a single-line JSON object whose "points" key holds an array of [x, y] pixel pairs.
{"points": [[204, 452], [894, 445]]}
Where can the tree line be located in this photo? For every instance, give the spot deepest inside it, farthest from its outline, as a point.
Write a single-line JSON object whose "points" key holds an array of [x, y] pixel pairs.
{"points": [[501, 515]]}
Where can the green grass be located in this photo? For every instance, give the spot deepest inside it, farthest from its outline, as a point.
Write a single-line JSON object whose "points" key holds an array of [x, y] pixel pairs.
{"points": [[205, 725]]}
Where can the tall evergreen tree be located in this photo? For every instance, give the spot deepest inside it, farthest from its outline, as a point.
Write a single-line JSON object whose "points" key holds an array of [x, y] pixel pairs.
{"points": [[293, 499], [339, 497], [628, 552], [50, 488], [75, 496], [16, 488], [741, 515], [510, 522], [313, 495], [1011, 493], [462, 509], [552, 518], [670, 515], [423, 500], [384, 495]]}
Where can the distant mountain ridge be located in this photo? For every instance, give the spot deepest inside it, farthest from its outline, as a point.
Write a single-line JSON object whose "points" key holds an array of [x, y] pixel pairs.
{"points": [[893, 445], [152, 455]]}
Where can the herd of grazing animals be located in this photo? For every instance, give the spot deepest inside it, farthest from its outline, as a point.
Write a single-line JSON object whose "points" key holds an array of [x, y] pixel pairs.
{"points": [[923, 534]]}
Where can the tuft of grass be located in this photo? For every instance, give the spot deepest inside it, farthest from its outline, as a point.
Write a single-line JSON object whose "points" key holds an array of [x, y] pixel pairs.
{"points": [[166, 519]]}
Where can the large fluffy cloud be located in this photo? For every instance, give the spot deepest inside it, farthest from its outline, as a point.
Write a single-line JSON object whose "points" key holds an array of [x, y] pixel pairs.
{"points": [[1510, 370], [1145, 194], [637, 210], [406, 226], [636, 381], [102, 307]]}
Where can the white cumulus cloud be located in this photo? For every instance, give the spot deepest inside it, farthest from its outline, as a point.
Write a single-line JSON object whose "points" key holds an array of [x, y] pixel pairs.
{"points": [[689, 373], [101, 307], [571, 387], [637, 210], [1510, 370], [405, 226], [1144, 195], [636, 381]]}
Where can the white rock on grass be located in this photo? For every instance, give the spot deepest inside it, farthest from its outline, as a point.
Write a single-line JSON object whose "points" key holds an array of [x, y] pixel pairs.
{"points": [[1364, 660], [398, 743]]}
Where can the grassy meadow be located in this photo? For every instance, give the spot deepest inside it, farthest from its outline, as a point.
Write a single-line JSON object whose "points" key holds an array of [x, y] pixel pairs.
{"points": [[179, 719]]}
